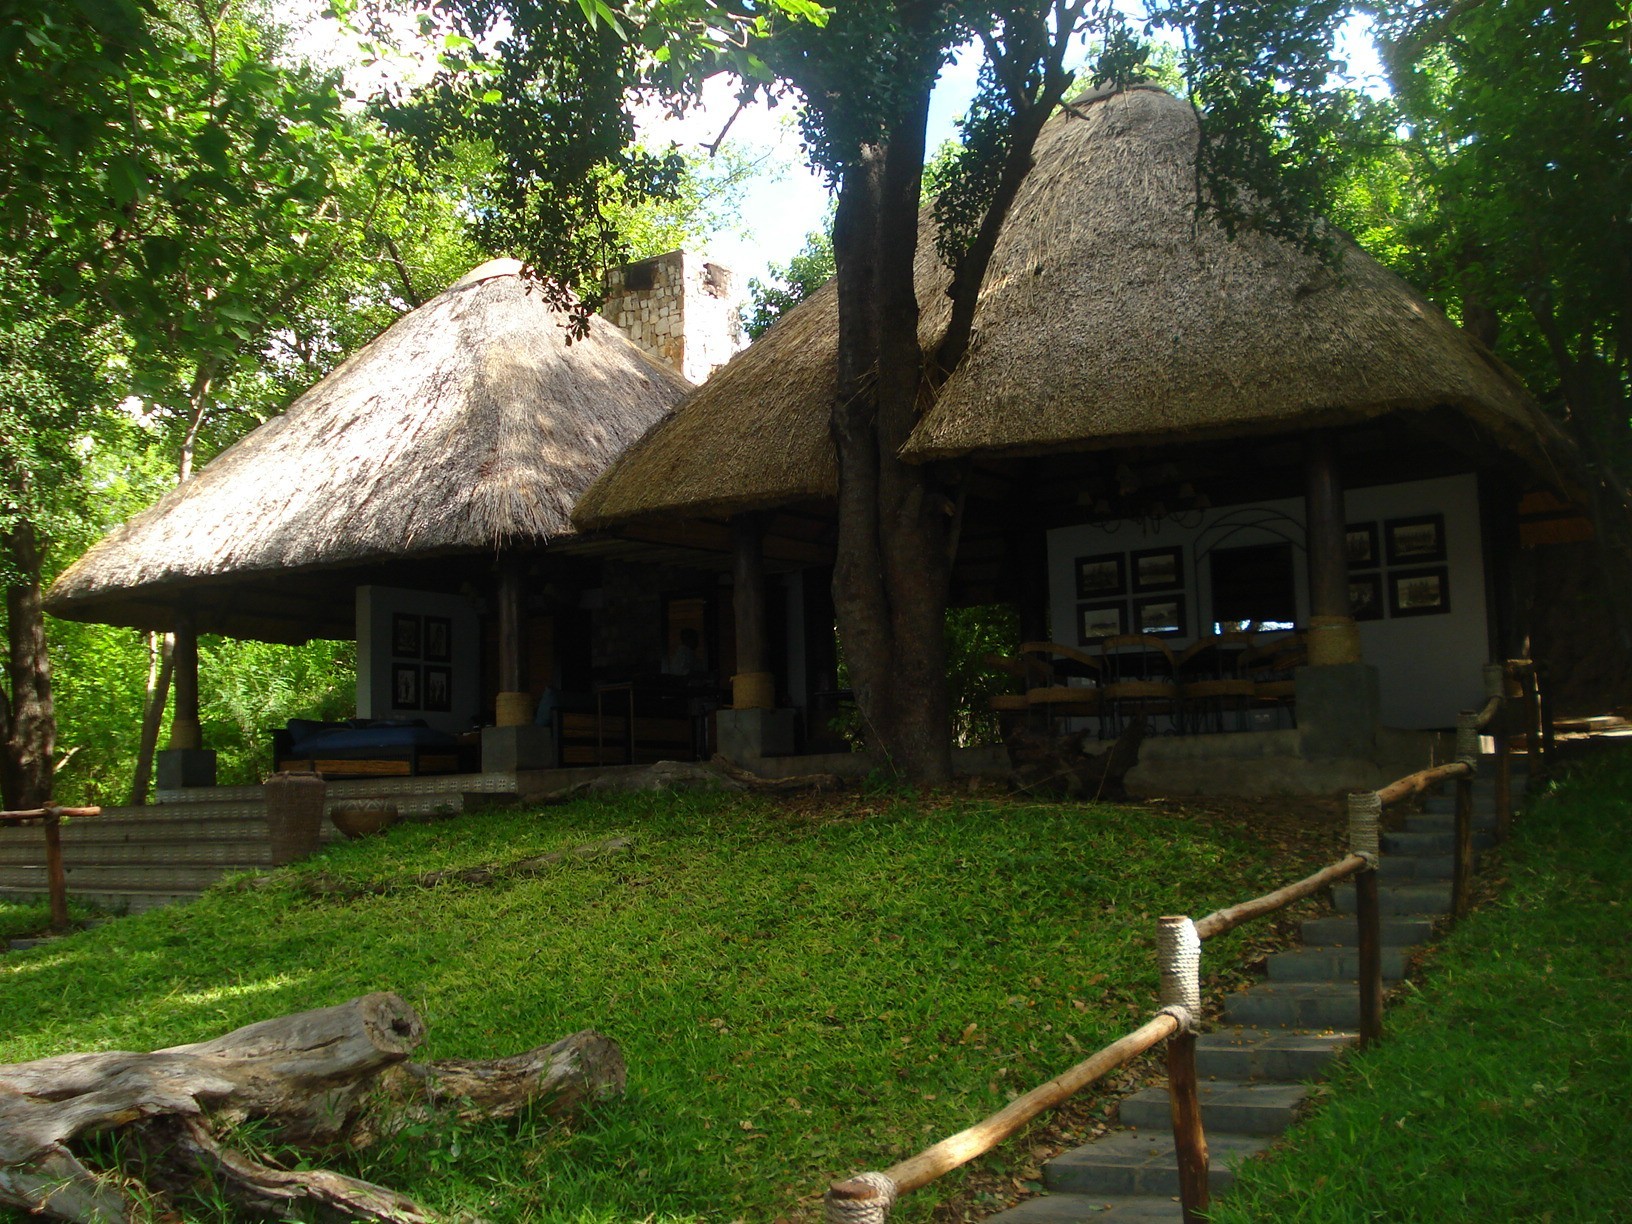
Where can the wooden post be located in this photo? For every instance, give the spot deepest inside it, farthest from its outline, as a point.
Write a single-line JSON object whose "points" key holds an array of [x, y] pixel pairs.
{"points": [[751, 684], [1497, 686], [1544, 710], [512, 704], [1328, 558], [1462, 868], [1532, 724], [1179, 949], [56, 878], [184, 725], [1365, 839]]}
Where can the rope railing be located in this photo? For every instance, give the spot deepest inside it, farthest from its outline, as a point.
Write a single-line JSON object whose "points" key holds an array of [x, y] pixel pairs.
{"points": [[56, 876], [869, 1197]]}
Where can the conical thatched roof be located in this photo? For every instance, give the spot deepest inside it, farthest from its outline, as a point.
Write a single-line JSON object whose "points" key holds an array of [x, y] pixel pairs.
{"points": [[1110, 317], [469, 424]]}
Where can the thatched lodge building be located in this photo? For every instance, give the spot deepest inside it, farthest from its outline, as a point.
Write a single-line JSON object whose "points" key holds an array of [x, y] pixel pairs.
{"points": [[1157, 430], [417, 499]]}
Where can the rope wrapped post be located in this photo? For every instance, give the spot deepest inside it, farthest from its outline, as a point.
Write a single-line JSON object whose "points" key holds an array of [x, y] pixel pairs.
{"points": [[864, 1199], [1365, 839], [1178, 948]]}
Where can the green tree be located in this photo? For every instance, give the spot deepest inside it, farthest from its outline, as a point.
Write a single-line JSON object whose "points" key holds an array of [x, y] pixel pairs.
{"points": [[792, 282]]}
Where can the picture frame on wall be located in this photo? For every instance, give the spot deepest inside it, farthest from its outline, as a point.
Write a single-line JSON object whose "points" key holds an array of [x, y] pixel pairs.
{"points": [[438, 690], [1096, 621], [1366, 597], [1417, 540], [1159, 615], [438, 641], [1157, 569], [1102, 576], [404, 686], [1419, 592], [1360, 546], [405, 635]]}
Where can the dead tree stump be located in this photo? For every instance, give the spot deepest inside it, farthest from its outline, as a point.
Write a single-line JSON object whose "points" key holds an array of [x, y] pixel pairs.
{"points": [[337, 1075]]}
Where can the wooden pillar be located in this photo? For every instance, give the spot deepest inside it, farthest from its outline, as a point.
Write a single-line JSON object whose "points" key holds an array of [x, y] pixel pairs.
{"points": [[753, 686], [1332, 636], [513, 704], [184, 728]]}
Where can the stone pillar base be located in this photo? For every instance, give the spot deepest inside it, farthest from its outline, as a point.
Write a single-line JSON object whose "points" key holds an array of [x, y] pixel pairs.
{"points": [[179, 768], [746, 735], [1337, 711], [507, 749]]}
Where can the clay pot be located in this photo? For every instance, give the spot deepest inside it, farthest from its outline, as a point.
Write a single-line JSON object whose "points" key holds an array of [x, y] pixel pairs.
{"points": [[364, 817]]}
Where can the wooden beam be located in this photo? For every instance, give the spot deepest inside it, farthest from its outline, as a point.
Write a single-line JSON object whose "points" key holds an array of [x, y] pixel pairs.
{"points": [[1328, 560], [748, 591]]}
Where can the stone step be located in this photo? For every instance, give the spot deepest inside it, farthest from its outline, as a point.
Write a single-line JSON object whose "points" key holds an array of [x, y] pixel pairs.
{"points": [[1438, 822], [120, 901], [1295, 1005], [1227, 1107], [168, 878], [1394, 867], [234, 854], [1266, 1054], [1092, 1209], [1332, 964], [1397, 931], [1484, 809], [1432, 897], [1434, 843], [1129, 1162]]}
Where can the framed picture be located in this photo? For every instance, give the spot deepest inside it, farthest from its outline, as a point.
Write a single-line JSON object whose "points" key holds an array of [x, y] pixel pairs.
{"points": [[439, 689], [1101, 620], [1158, 569], [1101, 576], [1414, 541], [1360, 545], [1421, 592], [404, 686], [438, 642], [405, 635], [1160, 616], [1366, 597]]}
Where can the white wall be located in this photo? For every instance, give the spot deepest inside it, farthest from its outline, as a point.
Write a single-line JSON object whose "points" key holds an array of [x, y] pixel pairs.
{"points": [[376, 606], [1430, 666]]}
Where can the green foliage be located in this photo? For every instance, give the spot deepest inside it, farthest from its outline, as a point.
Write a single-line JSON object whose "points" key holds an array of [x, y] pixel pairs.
{"points": [[1518, 147], [792, 282], [250, 688], [971, 635], [1501, 1090], [798, 992]]}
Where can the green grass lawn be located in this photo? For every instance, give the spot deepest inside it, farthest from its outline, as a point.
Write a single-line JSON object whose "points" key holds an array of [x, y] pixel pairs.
{"points": [[800, 991], [1502, 1091]]}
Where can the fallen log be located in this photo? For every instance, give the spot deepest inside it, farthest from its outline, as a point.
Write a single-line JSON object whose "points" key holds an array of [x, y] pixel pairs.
{"points": [[318, 1079]]}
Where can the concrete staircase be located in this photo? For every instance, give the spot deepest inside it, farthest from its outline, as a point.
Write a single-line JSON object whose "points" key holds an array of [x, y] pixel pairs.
{"points": [[1275, 1037], [130, 859]]}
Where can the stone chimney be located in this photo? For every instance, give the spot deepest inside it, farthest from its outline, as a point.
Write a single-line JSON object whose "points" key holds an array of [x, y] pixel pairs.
{"points": [[679, 308]]}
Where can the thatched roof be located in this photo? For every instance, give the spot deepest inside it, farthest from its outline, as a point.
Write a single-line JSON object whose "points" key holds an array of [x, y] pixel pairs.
{"points": [[1110, 318], [467, 425]]}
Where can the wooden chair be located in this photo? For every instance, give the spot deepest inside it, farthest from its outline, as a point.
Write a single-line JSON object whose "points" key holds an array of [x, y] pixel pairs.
{"points": [[1139, 678], [1211, 682], [1271, 666], [1056, 664]]}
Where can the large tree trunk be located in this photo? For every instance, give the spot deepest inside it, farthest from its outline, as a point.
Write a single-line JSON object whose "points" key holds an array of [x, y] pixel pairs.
{"points": [[892, 571], [336, 1075], [28, 729]]}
